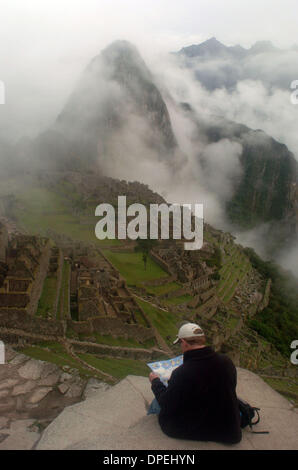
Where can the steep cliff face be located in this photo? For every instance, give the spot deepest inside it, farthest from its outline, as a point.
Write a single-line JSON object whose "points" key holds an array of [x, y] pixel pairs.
{"points": [[267, 190], [114, 105]]}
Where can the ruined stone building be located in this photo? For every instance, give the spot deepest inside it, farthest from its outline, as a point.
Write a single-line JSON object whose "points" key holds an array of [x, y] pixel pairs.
{"points": [[83, 293], [25, 266]]}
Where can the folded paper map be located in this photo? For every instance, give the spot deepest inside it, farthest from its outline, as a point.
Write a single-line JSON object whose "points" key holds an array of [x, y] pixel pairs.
{"points": [[165, 368]]}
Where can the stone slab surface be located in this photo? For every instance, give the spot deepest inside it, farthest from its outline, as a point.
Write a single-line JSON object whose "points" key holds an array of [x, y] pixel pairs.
{"points": [[29, 389], [19, 436], [115, 419]]}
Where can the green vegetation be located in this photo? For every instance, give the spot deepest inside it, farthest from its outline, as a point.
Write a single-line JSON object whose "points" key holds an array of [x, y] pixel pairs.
{"points": [[48, 297], [63, 304], [60, 358], [139, 317], [232, 322], [278, 323], [131, 267], [46, 209], [216, 259], [234, 269], [144, 246], [129, 342], [181, 299], [118, 368], [162, 289], [165, 322], [286, 388]]}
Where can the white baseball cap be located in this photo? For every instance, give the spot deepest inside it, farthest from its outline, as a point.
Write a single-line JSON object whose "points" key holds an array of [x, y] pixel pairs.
{"points": [[189, 330]]}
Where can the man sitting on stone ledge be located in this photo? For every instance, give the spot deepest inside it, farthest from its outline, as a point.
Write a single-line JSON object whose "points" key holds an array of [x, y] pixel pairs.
{"points": [[200, 402]]}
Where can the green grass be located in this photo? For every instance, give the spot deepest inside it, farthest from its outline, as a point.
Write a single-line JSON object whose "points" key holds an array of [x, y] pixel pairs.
{"points": [[177, 300], [54, 346], [139, 317], [63, 304], [129, 343], [162, 289], [230, 272], [118, 368], [60, 358], [232, 323], [44, 209], [165, 322], [48, 296], [131, 267]]}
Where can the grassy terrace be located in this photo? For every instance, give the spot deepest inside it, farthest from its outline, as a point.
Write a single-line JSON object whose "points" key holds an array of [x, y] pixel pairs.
{"points": [[48, 297], [131, 267], [181, 299], [235, 268], [118, 368], [56, 354], [63, 304], [209, 238], [163, 289], [125, 343], [165, 322], [49, 210]]}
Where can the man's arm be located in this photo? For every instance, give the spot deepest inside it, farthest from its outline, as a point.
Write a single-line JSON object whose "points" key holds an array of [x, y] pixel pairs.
{"points": [[169, 397], [158, 388]]}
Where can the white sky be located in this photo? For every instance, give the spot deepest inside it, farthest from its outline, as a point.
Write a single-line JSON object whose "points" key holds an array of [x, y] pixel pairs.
{"points": [[45, 44]]}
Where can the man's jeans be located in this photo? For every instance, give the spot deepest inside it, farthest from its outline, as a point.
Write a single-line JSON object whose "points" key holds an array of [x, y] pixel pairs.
{"points": [[154, 408]]}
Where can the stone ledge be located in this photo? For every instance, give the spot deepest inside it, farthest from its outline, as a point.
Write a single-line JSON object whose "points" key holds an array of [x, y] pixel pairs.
{"points": [[115, 419]]}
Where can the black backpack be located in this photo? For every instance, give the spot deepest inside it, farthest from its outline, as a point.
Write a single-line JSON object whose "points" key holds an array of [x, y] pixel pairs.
{"points": [[248, 413]]}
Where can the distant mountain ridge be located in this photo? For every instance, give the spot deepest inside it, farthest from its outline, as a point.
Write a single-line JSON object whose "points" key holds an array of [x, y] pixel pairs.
{"points": [[214, 48], [216, 65]]}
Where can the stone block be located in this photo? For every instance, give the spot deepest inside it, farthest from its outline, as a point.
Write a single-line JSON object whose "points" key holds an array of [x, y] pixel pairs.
{"points": [[23, 388], [39, 394]]}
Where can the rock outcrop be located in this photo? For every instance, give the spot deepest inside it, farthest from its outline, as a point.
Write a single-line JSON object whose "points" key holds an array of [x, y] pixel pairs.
{"points": [[116, 419]]}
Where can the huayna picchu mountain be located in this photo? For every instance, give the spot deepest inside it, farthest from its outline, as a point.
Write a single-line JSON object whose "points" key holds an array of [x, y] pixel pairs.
{"points": [[114, 103]]}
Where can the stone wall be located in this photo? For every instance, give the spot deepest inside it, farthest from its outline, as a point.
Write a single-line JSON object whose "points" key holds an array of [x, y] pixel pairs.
{"points": [[159, 282], [200, 283], [18, 285], [266, 297], [175, 293], [13, 300], [20, 319], [158, 260], [58, 272], [39, 280], [209, 293], [111, 326], [116, 351], [3, 243]]}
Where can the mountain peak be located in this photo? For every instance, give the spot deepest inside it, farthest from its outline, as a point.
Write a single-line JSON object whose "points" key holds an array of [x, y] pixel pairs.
{"points": [[207, 48], [212, 40], [119, 47], [125, 60]]}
